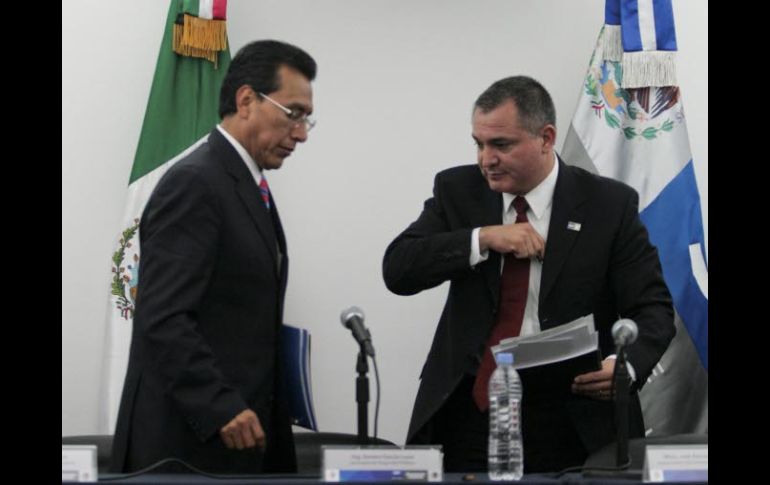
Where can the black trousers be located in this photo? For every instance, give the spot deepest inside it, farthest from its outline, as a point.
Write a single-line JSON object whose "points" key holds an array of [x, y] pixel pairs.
{"points": [[462, 431], [550, 440]]}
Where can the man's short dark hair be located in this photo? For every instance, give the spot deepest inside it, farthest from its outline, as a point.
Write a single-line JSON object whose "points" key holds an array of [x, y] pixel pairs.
{"points": [[256, 64], [532, 100]]}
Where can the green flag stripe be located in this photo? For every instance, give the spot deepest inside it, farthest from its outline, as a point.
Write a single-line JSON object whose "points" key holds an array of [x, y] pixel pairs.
{"points": [[192, 7], [183, 103]]}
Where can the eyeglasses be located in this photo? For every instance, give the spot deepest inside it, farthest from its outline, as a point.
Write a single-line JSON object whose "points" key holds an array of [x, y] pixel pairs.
{"points": [[297, 116]]}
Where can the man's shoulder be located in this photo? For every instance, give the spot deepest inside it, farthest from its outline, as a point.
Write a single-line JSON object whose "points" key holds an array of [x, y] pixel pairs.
{"points": [[196, 173], [596, 184], [464, 175], [460, 171], [460, 181], [200, 161]]}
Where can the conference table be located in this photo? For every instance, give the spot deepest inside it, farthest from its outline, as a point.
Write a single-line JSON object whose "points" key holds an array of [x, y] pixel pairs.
{"points": [[449, 478]]}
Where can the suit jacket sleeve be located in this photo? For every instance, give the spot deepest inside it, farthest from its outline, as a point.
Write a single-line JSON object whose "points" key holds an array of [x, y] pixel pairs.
{"points": [[641, 294], [433, 249], [179, 240]]}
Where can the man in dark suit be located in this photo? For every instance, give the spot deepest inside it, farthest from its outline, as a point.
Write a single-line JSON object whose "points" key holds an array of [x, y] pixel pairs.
{"points": [[204, 382], [577, 247]]}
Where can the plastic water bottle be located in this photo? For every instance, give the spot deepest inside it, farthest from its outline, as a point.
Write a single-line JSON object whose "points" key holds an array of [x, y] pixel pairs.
{"points": [[506, 453]]}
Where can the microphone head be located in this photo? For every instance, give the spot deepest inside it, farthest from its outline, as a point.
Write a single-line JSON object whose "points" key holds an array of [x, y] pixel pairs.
{"points": [[625, 331], [349, 313]]}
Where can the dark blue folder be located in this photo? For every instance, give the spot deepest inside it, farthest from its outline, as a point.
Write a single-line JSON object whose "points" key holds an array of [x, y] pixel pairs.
{"points": [[295, 343]]}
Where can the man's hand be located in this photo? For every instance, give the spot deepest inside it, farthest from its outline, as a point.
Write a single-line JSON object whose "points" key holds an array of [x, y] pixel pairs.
{"points": [[521, 239], [243, 431], [597, 384]]}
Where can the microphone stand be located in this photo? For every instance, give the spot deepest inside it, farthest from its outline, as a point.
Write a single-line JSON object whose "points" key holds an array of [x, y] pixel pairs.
{"points": [[362, 396], [622, 381]]}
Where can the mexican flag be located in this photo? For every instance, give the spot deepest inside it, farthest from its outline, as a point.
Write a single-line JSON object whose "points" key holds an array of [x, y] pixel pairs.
{"points": [[181, 111], [630, 125]]}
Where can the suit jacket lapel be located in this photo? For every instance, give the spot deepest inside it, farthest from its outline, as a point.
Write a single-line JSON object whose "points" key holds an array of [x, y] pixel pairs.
{"points": [[248, 192], [281, 238], [567, 208], [283, 261]]}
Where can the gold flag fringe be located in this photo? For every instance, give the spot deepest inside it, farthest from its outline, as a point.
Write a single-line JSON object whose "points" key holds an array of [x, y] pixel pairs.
{"points": [[202, 38]]}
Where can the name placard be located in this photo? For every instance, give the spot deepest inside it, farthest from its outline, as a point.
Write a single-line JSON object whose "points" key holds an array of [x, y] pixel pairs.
{"points": [[678, 463], [78, 463], [382, 463]]}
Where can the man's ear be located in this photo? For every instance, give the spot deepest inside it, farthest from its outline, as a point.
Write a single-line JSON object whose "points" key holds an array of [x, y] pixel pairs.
{"points": [[244, 96], [549, 137]]}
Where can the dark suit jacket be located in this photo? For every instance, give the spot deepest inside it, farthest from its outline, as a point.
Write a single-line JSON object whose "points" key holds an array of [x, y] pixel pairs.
{"points": [[208, 311], [608, 268]]}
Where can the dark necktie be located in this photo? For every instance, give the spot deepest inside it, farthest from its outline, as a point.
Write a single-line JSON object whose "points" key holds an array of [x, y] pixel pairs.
{"points": [[514, 284], [264, 190]]}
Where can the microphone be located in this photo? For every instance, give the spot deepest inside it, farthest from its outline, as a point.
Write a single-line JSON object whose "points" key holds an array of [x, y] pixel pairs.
{"points": [[624, 332], [353, 319]]}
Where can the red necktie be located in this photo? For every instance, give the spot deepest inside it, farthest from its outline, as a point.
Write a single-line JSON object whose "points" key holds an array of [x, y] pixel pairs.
{"points": [[514, 284], [264, 190]]}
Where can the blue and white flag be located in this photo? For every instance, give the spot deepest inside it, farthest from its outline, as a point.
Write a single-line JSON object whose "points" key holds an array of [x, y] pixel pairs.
{"points": [[630, 125]]}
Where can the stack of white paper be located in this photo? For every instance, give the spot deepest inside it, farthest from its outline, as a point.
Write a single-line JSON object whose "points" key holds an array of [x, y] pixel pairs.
{"points": [[557, 344]]}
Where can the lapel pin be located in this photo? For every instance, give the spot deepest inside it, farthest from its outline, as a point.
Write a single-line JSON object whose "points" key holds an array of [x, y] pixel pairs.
{"points": [[573, 226]]}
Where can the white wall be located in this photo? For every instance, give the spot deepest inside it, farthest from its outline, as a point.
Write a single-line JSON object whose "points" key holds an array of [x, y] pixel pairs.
{"points": [[393, 97]]}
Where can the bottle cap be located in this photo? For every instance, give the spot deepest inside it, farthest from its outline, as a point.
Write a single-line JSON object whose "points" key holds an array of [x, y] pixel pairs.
{"points": [[504, 358]]}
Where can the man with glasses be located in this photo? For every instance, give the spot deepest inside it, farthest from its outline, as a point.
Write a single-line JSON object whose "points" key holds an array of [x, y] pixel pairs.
{"points": [[204, 384]]}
